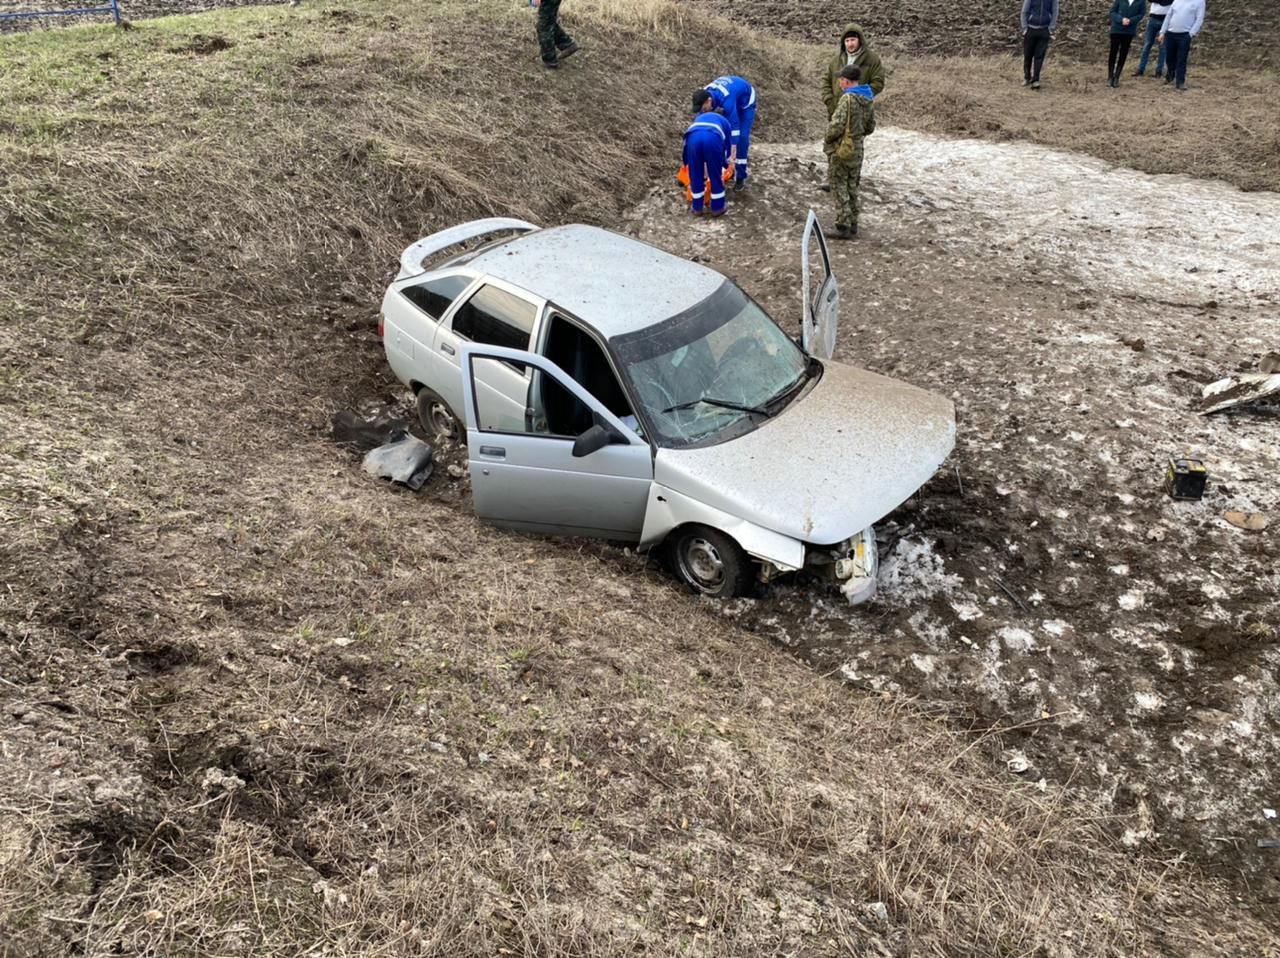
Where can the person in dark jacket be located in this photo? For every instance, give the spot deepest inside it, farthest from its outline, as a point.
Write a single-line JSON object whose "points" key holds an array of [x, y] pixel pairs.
{"points": [[553, 42], [1125, 17], [854, 52], [1039, 20]]}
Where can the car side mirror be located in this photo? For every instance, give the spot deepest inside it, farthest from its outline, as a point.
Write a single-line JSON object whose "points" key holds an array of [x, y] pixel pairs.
{"points": [[593, 440]]}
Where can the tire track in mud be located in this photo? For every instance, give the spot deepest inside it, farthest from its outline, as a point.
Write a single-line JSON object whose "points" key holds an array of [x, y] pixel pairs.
{"points": [[1043, 579]]}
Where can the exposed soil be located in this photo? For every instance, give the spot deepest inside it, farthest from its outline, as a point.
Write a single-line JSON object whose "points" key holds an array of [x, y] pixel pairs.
{"points": [[1043, 580], [1241, 31]]}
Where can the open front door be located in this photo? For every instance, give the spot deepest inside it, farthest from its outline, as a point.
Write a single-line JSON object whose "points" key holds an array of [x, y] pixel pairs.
{"points": [[821, 295], [576, 469]]}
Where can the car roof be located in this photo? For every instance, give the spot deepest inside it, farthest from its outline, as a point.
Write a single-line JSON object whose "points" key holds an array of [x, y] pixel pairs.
{"points": [[614, 283]]}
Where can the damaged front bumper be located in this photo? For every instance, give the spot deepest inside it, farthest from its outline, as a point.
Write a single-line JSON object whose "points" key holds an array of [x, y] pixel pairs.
{"points": [[851, 565]]}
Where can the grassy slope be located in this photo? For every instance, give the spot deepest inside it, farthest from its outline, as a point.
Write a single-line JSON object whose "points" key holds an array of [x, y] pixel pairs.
{"points": [[260, 704]]}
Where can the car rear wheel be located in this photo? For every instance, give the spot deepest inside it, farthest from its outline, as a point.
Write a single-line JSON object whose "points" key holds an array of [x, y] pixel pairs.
{"points": [[436, 416], [710, 562]]}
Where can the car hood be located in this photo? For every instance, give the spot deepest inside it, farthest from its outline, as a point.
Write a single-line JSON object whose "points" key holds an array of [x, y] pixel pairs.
{"points": [[840, 458]]}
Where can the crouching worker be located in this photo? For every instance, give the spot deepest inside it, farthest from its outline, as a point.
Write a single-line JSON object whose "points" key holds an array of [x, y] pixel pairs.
{"points": [[706, 150], [853, 119]]}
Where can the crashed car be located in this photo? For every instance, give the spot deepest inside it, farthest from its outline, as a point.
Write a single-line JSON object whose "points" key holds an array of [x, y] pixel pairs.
{"points": [[609, 389]]}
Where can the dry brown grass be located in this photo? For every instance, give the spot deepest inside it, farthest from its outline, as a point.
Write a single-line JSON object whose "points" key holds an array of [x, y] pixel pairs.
{"points": [[258, 705], [1224, 126]]}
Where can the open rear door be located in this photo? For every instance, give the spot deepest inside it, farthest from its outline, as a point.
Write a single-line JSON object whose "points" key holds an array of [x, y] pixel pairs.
{"points": [[821, 295]]}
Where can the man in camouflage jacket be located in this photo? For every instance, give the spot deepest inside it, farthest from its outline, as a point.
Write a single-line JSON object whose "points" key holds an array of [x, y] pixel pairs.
{"points": [[854, 52], [855, 115]]}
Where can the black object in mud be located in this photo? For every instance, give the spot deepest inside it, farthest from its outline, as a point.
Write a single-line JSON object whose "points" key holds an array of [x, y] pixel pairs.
{"points": [[1185, 478]]}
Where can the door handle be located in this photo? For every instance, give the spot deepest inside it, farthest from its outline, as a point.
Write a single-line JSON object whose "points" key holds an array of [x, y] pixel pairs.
{"points": [[446, 348], [494, 452]]}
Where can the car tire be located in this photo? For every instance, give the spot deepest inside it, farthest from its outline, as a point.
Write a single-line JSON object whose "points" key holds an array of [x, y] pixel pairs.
{"points": [[709, 562], [436, 416]]}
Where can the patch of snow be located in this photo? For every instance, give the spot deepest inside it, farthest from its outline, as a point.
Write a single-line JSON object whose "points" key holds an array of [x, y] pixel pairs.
{"points": [[1213, 590], [1148, 701], [1116, 251], [1054, 627], [913, 572], [1131, 600], [1016, 639], [925, 663], [1241, 728], [929, 628]]}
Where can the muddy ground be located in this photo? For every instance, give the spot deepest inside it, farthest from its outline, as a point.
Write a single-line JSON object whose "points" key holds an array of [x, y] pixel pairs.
{"points": [[1043, 580]]}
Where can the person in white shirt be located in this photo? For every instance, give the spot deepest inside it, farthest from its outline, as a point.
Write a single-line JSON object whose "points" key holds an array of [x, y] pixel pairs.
{"points": [[1154, 22], [1181, 25]]}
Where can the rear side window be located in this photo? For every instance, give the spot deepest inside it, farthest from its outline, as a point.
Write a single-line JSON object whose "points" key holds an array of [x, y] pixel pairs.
{"points": [[435, 296], [496, 318]]}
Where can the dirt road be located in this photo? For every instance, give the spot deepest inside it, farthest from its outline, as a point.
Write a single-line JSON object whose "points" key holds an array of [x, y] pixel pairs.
{"points": [[1042, 580]]}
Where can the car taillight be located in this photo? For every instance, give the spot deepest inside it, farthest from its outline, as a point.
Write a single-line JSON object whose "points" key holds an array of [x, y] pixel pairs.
{"points": [[382, 325]]}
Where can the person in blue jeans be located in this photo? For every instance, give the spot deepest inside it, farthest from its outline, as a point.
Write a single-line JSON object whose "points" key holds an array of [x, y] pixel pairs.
{"points": [[1181, 25], [1154, 23]]}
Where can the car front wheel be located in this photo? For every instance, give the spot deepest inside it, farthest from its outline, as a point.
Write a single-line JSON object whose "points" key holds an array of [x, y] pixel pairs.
{"points": [[710, 562], [436, 416]]}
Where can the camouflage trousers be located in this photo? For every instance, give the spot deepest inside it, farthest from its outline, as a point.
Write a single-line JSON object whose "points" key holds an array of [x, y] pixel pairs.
{"points": [[551, 36], [845, 178]]}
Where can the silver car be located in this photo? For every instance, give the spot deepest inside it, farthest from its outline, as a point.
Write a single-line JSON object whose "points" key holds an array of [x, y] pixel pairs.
{"points": [[609, 389]]}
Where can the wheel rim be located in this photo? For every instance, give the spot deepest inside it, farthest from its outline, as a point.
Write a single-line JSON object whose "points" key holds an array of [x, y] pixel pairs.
{"points": [[442, 420], [700, 564]]}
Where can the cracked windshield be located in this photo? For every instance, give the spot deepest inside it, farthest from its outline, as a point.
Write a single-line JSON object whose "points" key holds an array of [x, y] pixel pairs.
{"points": [[712, 372]]}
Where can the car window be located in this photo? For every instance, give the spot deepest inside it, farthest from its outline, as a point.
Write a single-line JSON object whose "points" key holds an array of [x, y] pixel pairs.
{"points": [[578, 353], [435, 296], [496, 409], [554, 411], [496, 318]]}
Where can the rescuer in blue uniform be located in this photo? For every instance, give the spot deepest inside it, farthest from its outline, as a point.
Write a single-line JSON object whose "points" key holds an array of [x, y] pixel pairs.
{"points": [[706, 151], [736, 99]]}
